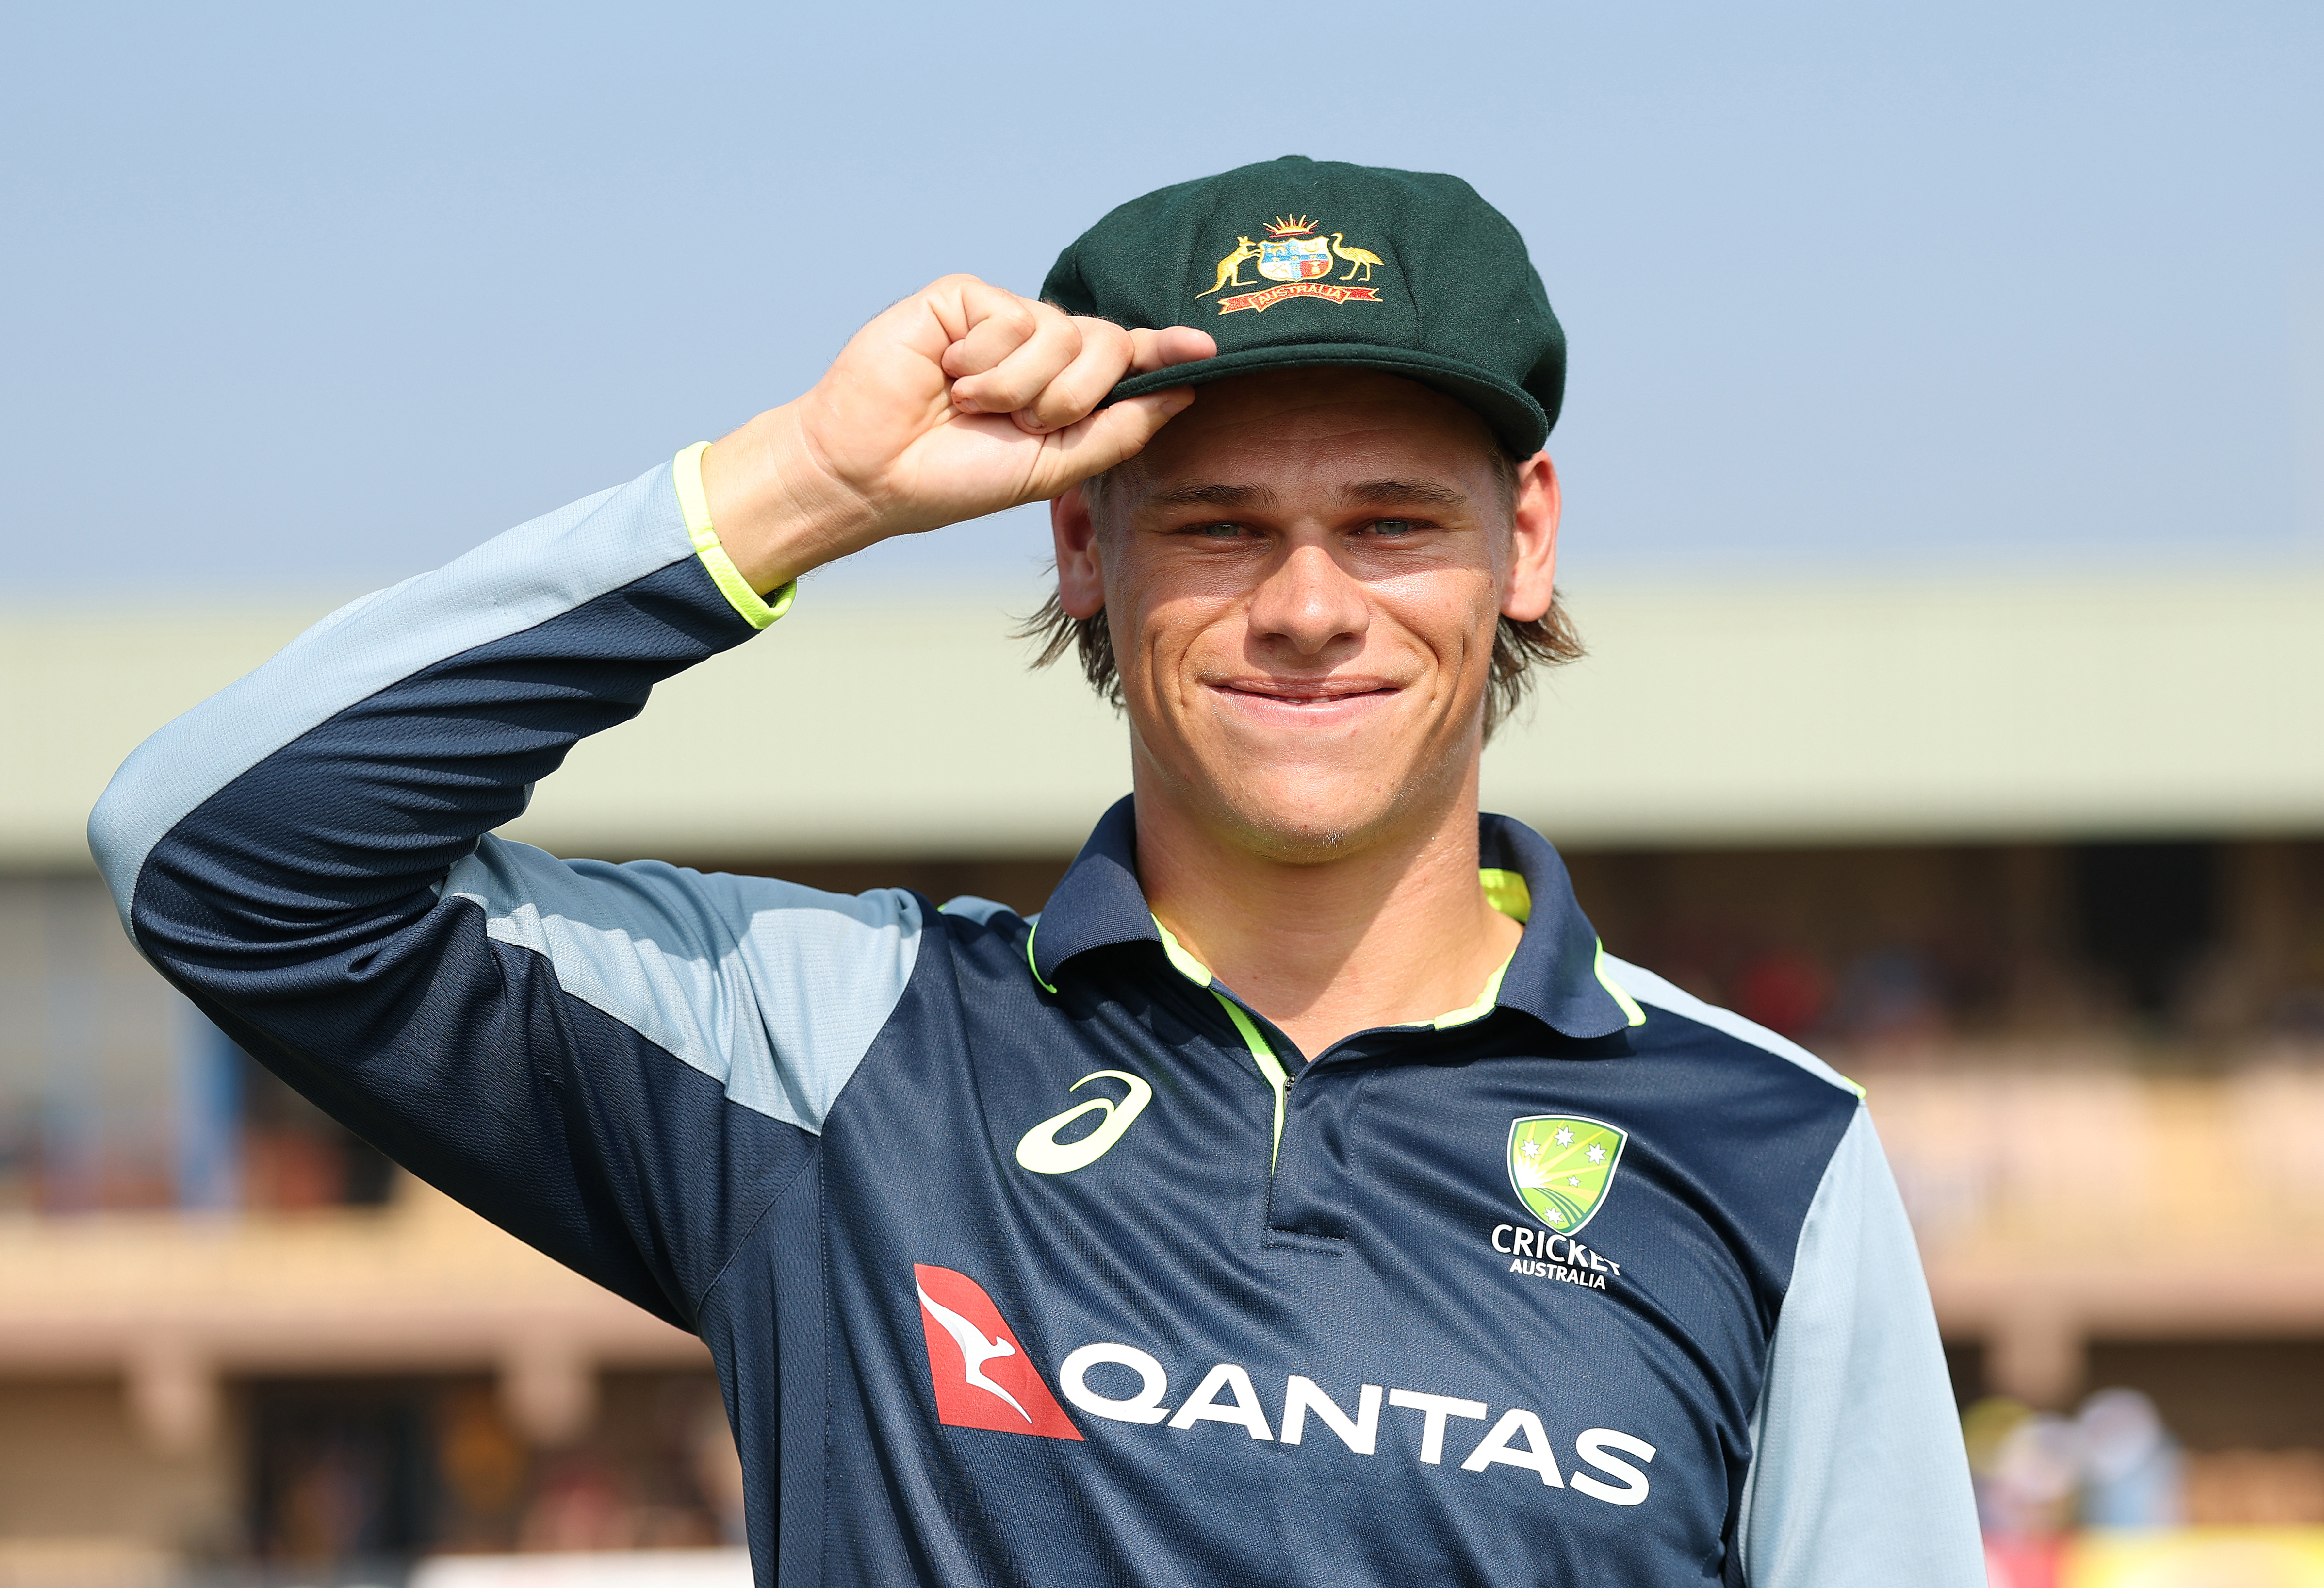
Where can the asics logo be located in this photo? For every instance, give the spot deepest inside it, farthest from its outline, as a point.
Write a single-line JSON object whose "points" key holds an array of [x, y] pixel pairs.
{"points": [[1039, 1150]]}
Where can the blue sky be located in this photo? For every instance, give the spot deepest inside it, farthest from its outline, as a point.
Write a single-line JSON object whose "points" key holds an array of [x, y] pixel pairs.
{"points": [[313, 298]]}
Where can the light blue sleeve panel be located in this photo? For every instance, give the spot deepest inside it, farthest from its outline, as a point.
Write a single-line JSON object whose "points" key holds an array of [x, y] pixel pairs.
{"points": [[534, 572], [773, 990], [1648, 988], [1858, 1473]]}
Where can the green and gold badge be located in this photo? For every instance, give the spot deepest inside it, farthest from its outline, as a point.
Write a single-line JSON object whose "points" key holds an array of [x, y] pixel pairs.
{"points": [[1561, 1167], [1298, 252]]}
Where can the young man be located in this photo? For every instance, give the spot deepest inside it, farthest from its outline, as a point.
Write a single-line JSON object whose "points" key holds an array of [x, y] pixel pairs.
{"points": [[1303, 1196]]}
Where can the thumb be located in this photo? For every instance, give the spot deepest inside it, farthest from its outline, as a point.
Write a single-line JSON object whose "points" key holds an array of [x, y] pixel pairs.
{"points": [[1113, 435]]}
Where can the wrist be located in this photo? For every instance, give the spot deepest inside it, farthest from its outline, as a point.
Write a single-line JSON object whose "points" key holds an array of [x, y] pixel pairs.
{"points": [[778, 511]]}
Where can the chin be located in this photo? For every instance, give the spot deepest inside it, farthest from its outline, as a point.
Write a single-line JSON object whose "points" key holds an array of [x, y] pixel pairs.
{"points": [[1300, 817]]}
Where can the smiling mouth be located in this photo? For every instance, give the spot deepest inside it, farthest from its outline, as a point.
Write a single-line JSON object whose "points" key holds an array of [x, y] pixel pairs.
{"points": [[1317, 694]]}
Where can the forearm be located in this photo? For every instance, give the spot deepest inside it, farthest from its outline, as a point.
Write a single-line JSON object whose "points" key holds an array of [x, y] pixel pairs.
{"points": [[579, 1051], [314, 805], [570, 1049]]}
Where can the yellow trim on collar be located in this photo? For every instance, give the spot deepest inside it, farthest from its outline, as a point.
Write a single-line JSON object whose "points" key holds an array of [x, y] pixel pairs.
{"points": [[1487, 1000], [1629, 1004], [1507, 892], [687, 471], [1270, 1067], [1184, 963], [1030, 963]]}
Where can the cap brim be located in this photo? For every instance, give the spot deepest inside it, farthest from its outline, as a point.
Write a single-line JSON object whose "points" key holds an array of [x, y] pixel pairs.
{"points": [[1510, 410]]}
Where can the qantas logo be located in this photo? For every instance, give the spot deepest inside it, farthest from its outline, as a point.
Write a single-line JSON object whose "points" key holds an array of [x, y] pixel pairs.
{"points": [[982, 1379]]}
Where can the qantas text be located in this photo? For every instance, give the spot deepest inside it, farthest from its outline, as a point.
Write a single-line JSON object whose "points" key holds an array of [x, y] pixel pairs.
{"points": [[982, 1379], [1227, 1395]]}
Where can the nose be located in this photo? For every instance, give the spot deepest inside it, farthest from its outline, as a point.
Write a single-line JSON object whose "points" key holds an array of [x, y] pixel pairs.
{"points": [[1308, 601]]}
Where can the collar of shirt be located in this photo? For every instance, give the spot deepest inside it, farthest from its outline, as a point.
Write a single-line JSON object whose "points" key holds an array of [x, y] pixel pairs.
{"points": [[1555, 975]]}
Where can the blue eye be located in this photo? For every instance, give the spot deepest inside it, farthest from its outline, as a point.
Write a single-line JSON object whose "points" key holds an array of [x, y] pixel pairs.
{"points": [[1393, 527], [1220, 532]]}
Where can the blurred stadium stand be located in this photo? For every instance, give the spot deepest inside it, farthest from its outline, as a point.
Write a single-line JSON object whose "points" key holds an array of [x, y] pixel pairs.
{"points": [[2040, 861]]}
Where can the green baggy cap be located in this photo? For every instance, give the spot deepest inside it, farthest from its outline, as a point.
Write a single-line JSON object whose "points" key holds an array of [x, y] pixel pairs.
{"points": [[1298, 262]]}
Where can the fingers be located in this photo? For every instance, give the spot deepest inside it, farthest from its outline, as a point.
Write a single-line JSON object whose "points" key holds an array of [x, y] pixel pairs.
{"points": [[1080, 385], [1035, 363], [1045, 368], [1160, 349], [1013, 349], [1108, 354], [1114, 435], [1043, 398]]}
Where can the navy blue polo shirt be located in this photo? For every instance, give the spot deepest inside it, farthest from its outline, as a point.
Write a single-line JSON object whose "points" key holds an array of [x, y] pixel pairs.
{"points": [[1027, 1252]]}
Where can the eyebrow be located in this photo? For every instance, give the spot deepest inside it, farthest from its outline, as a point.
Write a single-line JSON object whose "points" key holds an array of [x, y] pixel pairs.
{"points": [[1384, 492], [1394, 493], [1212, 496]]}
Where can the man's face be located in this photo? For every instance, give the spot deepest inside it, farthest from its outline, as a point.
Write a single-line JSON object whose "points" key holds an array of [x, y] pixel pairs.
{"points": [[1302, 575]]}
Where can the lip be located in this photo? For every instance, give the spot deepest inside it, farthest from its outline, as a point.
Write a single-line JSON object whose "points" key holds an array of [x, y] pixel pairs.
{"points": [[1312, 701]]}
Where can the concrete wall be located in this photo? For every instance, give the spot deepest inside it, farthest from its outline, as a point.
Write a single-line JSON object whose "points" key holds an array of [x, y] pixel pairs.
{"points": [[74, 1466], [1869, 711]]}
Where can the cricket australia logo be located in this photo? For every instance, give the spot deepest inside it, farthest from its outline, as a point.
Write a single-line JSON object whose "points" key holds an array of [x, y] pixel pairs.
{"points": [[1561, 1167], [1297, 255]]}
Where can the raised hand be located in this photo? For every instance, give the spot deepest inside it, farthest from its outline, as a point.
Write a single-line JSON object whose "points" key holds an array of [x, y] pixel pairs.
{"points": [[962, 399]]}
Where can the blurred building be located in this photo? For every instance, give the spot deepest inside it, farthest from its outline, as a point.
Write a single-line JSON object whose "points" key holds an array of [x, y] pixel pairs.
{"points": [[2039, 861]]}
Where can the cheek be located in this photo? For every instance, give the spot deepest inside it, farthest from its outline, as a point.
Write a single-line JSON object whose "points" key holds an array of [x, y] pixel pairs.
{"points": [[1129, 615], [1454, 617], [1164, 626]]}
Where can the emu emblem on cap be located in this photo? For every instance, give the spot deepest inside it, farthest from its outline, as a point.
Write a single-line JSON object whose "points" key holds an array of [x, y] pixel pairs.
{"points": [[1561, 1167], [1296, 253]]}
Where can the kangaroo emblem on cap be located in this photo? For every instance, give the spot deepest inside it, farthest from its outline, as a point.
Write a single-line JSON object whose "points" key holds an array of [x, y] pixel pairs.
{"points": [[1230, 267], [1296, 254]]}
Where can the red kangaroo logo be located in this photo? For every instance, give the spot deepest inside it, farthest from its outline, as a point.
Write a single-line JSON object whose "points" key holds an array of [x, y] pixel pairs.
{"points": [[981, 1375]]}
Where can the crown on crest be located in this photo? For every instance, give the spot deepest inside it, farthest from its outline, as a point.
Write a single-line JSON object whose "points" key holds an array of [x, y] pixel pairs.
{"points": [[1284, 226]]}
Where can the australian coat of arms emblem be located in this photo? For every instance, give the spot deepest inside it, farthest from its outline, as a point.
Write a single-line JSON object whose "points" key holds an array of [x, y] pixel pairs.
{"points": [[1307, 261], [1561, 1167]]}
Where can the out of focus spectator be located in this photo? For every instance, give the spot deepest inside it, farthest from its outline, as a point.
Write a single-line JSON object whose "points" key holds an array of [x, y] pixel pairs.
{"points": [[581, 1504], [2027, 1466], [2133, 1474], [482, 1469], [1892, 996], [1787, 990], [2112, 1465]]}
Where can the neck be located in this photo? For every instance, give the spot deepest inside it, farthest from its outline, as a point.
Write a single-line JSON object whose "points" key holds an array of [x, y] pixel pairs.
{"points": [[1394, 933]]}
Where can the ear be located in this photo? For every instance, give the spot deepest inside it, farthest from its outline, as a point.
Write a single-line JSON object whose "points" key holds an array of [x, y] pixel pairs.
{"points": [[1533, 546], [1080, 576]]}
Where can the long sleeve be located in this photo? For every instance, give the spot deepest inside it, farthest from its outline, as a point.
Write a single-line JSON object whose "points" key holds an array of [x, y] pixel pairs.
{"points": [[621, 1064], [1858, 1473]]}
